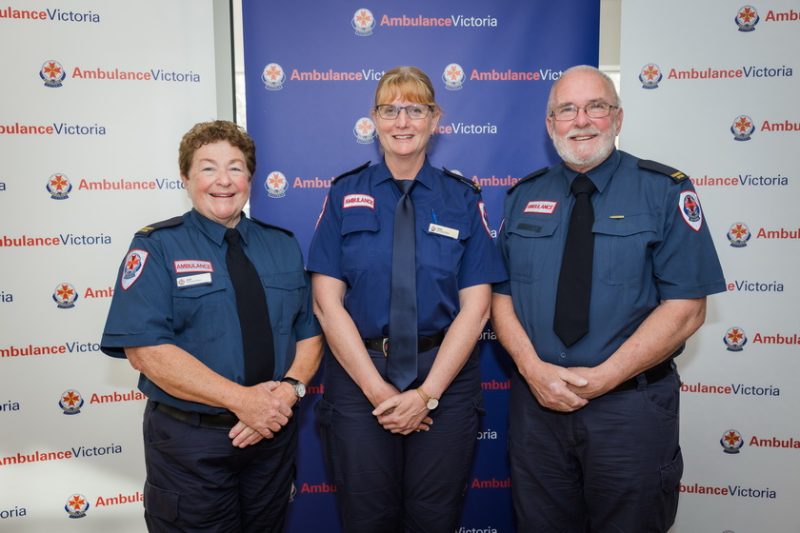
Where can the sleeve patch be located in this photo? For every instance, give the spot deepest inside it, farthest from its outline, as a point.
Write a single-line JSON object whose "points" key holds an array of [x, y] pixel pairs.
{"points": [[132, 268], [689, 207]]}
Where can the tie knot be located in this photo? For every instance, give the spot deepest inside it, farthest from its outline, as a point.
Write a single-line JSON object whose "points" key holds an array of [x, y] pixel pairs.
{"points": [[582, 185], [232, 236], [406, 185]]}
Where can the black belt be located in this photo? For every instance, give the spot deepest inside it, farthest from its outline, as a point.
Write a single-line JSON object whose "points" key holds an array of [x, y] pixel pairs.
{"points": [[204, 420], [381, 344], [651, 375]]}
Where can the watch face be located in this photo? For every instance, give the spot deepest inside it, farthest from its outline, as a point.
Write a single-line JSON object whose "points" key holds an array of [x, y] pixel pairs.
{"points": [[300, 389], [433, 403]]}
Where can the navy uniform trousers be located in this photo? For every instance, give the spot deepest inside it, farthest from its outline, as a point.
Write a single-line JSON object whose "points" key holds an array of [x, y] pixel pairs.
{"points": [[196, 476], [613, 466], [392, 483]]}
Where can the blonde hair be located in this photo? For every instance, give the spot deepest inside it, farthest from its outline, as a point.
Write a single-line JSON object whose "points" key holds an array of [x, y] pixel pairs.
{"points": [[407, 83]]}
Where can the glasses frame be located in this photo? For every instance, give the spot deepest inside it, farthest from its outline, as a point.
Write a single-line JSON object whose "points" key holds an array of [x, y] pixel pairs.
{"points": [[579, 108], [430, 109]]}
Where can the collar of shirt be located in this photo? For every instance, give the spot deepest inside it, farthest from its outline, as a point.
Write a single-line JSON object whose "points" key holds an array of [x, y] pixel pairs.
{"points": [[600, 175], [425, 176], [215, 231]]}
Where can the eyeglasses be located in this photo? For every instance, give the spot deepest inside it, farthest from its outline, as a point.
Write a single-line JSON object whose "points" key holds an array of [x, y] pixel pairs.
{"points": [[413, 111], [592, 110]]}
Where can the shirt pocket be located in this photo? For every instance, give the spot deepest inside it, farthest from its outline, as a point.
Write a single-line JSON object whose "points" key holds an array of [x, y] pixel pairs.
{"points": [[531, 244], [197, 311], [443, 245], [285, 292], [622, 248], [360, 232]]}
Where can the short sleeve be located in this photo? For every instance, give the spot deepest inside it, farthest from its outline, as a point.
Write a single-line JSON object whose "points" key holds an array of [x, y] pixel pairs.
{"points": [[306, 324], [503, 287], [325, 252], [482, 262], [685, 261], [141, 308]]}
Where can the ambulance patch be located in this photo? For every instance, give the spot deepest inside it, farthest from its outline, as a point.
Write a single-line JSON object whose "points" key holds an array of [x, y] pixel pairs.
{"points": [[543, 207], [185, 266], [689, 207], [358, 200], [132, 268]]}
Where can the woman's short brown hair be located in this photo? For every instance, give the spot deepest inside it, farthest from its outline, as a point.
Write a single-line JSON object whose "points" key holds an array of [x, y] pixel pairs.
{"points": [[210, 132]]}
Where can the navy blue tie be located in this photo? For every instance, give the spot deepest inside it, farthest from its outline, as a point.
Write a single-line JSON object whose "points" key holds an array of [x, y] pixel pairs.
{"points": [[402, 361], [571, 321], [251, 306]]}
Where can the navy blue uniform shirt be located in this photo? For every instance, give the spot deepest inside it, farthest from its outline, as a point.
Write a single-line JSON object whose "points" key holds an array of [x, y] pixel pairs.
{"points": [[651, 243], [173, 288], [454, 250]]}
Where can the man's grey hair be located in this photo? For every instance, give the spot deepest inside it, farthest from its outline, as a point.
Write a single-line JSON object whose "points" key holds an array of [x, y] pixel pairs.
{"points": [[584, 68]]}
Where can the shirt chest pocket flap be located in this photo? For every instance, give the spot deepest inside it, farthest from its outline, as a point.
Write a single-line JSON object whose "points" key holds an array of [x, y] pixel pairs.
{"points": [[197, 308], [360, 240], [530, 245], [285, 291], [622, 246]]}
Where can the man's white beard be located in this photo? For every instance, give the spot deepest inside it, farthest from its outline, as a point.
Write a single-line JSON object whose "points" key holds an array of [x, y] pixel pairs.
{"points": [[573, 159]]}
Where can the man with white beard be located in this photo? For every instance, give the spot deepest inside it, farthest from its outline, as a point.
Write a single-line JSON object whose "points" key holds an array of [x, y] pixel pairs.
{"points": [[610, 262]]}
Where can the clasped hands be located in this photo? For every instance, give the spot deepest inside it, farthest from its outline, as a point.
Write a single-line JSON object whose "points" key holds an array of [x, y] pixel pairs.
{"points": [[402, 412], [265, 409]]}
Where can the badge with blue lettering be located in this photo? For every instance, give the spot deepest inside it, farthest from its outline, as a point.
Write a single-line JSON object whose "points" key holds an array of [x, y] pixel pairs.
{"points": [[689, 207], [132, 268]]}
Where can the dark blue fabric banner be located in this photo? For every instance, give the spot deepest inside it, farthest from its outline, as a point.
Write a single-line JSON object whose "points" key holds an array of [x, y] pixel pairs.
{"points": [[311, 69]]}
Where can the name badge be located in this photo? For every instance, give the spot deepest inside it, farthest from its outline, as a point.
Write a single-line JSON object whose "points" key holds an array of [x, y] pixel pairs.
{"points": [[197, 279], [443, 231]]}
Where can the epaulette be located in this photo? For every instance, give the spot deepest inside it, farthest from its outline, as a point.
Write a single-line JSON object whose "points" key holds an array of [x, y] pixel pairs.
{"points": [[676, 175], [169, 223], [264, 224], [459, 177], [534, 174], [351, 172]]}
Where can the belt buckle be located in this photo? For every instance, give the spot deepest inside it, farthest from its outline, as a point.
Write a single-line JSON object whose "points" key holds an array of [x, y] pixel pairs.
{"points": [[385, 346]]}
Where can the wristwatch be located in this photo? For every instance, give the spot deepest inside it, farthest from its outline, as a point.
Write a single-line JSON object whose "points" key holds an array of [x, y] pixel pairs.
{"points": [[430, 403], [298, 386]]}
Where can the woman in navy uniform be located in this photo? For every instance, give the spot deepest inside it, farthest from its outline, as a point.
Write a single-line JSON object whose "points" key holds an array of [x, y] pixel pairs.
{"points": [[219, 438], [400, 447]]}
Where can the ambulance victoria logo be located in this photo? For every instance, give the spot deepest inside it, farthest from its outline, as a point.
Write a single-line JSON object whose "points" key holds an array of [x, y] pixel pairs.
{"points": [[70, 402], [739, 234], [276, 184], [453, 77], [742, 128], [273, 77], [59, 187], [132, 267], [52, 73], [735, 339], [65, 295], [76, 506], [363, 22], [690, 210], [364, 130], [747, 18], [731, 441], [650, 76]]}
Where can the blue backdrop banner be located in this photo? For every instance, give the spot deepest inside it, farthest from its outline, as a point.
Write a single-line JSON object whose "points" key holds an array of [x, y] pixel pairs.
{"points": [[311, 69]]}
